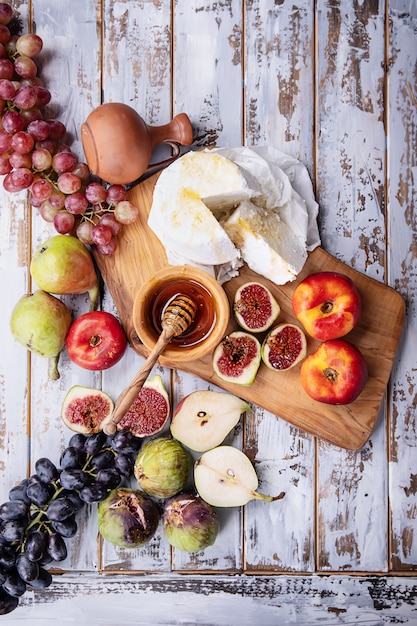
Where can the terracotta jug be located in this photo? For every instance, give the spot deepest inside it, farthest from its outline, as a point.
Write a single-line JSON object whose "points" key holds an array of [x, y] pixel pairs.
{"points": [[118, 144]]}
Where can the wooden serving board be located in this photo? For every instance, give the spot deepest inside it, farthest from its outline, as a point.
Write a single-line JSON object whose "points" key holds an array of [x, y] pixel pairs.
{"points": [[140, 254]]}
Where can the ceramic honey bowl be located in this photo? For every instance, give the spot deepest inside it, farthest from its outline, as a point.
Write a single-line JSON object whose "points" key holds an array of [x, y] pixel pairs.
{"points": [[211, 318], [118, 144]]}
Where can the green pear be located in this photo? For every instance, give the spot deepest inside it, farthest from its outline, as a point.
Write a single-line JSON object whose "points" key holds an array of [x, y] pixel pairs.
{"points": [[63, 265], [40, 322], [202, 419], [225, 477]]}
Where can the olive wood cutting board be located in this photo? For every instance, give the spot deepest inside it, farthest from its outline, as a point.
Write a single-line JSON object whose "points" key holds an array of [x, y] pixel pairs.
{"points": [[140, 254]]}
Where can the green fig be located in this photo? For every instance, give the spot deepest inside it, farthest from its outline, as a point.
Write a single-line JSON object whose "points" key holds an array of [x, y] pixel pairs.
{"points": [[40, 322], [63, 265]]}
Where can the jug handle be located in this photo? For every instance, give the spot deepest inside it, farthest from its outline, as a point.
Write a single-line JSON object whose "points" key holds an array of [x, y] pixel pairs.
{"points": [[156, 167]]}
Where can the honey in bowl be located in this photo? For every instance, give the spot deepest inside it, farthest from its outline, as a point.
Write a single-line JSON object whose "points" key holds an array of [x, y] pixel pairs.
{"points": [[205, 316], [208, 326]]}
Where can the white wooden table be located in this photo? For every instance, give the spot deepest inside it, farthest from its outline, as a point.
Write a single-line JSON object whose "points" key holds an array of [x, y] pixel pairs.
{"points": [[334, 84]]}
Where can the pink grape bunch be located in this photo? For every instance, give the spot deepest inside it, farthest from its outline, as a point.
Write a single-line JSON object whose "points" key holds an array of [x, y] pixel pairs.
{"points": [[34, 155]]}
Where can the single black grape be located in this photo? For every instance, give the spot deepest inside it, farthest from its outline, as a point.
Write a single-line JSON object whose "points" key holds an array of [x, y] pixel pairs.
{"points": [[14, 509], [35, 545], [8, 603], [46, 470], [72, 458], [109, 477], [7, 557], [75, 499], [60, 509], [77, 441], [14, 585], [14, 530], [19, 493], [124, 441], [56, 547], [93, 493], [95, 443], [39, 493], [28, 570], [67, 528], [74, 478], [43, 580], [102, 460], [124, 464]]}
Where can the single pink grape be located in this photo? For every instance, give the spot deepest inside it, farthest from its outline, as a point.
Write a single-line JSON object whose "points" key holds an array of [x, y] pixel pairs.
{"points": [[29, 45], [84, 230], [125, 212], [64, 222], [95, 193], [76, 203]]}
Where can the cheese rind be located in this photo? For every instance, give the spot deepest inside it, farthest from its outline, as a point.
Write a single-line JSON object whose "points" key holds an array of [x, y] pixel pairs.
{"points": [[267, 244]]}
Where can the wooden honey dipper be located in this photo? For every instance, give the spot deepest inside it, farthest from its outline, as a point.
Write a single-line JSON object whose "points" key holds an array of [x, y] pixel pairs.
{"points": [[177, 317]]}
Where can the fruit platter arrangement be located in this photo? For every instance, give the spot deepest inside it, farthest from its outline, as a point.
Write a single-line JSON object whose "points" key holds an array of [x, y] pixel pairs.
{"points": [[307, 347]]}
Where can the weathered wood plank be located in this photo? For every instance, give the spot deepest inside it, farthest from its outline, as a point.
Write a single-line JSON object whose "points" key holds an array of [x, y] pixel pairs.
{"points": [[278, 82], [402, 272], [221, 600], [70, 70], [352, 510]]}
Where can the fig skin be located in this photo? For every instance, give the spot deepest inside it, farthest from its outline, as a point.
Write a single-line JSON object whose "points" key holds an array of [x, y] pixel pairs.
{"points": [[190, 524], [127, 518], [162, 467]]}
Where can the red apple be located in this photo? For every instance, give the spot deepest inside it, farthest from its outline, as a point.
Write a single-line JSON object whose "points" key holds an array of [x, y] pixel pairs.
{"points": [[96, 341], [327, 304], [335, 373]]}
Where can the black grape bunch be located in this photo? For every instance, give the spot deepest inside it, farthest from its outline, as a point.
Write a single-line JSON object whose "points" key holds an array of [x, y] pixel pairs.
{"points": [[34, 156], [41, 513]]}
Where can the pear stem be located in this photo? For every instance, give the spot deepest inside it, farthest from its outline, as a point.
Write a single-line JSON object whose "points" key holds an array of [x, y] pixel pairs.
{"points": [[261, 496], [94, 294], [53, 372]]}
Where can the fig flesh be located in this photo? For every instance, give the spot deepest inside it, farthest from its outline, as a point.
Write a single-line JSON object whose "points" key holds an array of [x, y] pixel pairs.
{"points": [[255, 307], [84, 409], [127, 518], [63, 265], [162, 467], [40, 322], [189, 522], [150, 410], [284, 347], [237, 358]]}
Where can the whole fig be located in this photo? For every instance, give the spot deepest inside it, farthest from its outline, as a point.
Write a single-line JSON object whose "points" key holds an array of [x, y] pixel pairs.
{"points": [[40, 322], [63, 265], [128, 518]]}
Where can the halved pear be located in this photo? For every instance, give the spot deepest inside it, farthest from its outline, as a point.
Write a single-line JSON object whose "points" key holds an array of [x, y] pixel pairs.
{"points": [[202, 419], [225, 477]]}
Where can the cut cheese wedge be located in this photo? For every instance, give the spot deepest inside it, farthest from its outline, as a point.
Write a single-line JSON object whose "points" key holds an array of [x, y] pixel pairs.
{"points": [[190, 197], [267, 244]]}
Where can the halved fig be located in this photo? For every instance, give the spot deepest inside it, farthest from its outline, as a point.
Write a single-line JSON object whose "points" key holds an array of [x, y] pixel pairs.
{"points": [[150, 410], [237, 358], [284, 347], [255, 307], [85, 408]]}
